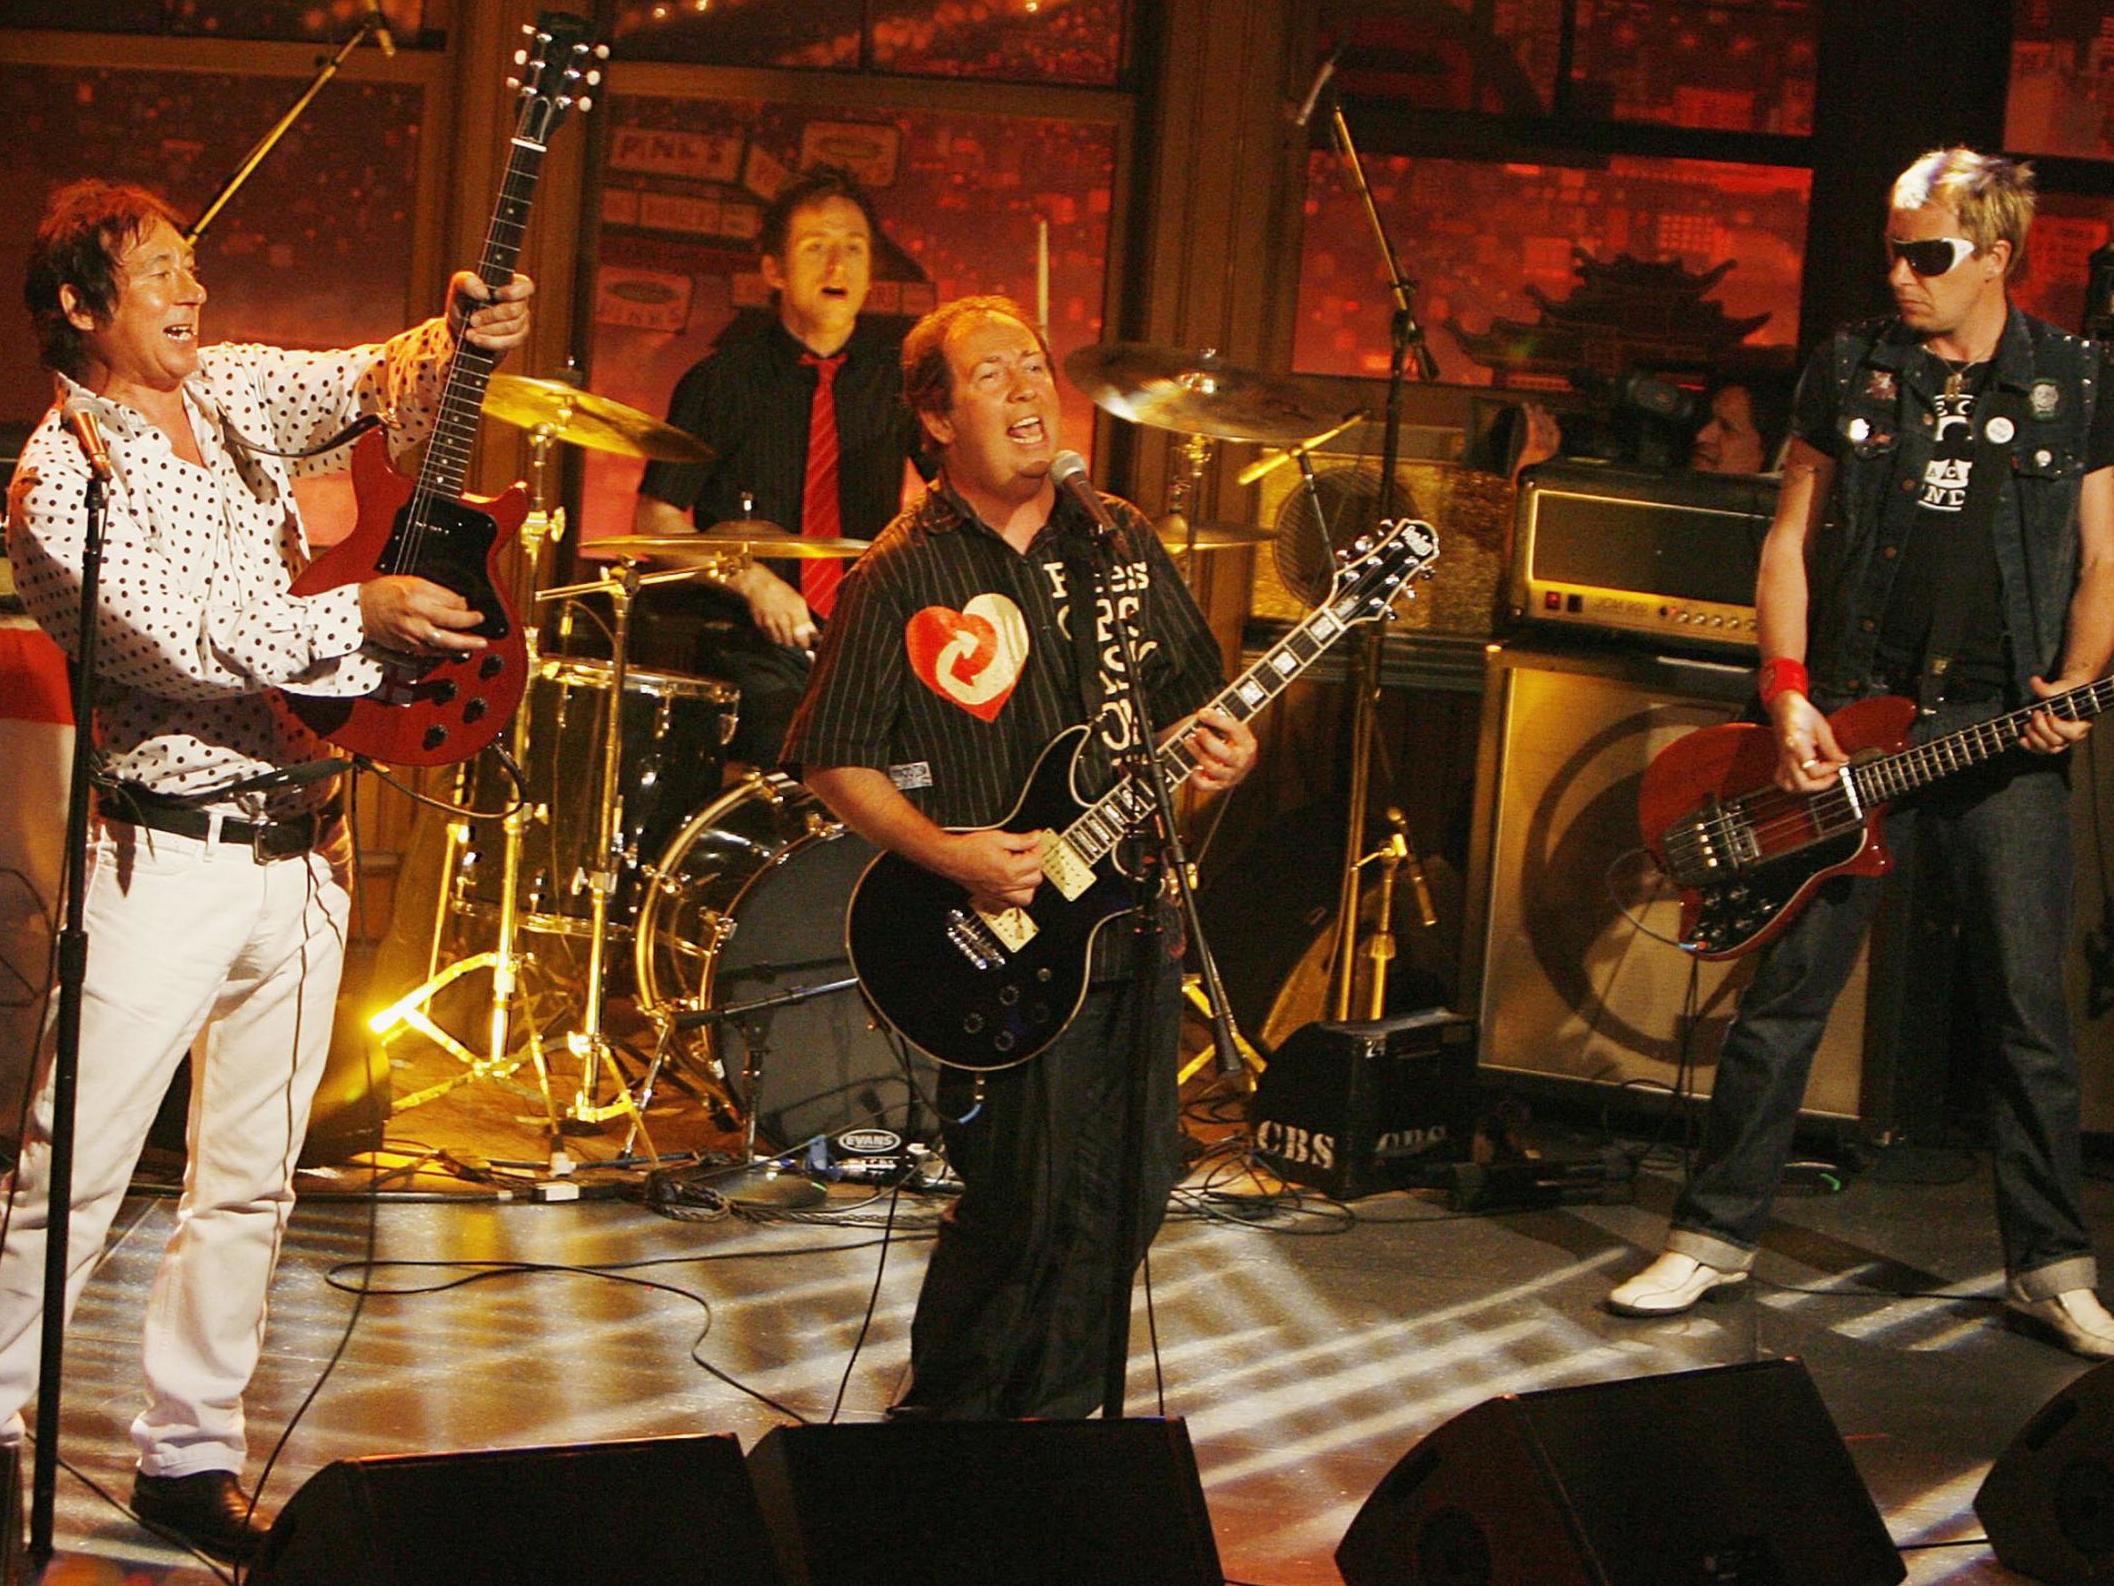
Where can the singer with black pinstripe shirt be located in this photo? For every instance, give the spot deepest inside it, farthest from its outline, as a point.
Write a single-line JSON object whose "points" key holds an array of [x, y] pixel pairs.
{"points": [[948, 667]]}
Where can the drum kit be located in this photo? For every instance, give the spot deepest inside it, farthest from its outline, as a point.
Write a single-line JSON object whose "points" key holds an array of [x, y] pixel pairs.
{"points": [[629, 869]]}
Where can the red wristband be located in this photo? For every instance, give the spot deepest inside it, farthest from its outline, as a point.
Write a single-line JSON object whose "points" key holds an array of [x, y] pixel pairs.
{"points": [[1781, 673]]}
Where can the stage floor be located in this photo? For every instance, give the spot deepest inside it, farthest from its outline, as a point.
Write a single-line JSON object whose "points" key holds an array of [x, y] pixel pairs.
{"points": [[1308, 1351]]}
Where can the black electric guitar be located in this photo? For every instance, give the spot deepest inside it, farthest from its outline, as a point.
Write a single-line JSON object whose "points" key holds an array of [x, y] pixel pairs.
{"points": [[1746, 855], [980, 990], [434, 709]]}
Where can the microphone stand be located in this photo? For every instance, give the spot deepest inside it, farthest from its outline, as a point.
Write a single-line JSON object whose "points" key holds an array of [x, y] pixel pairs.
{"points": [[1407, 342], [1144, 763], [66, 1056], [250, 161]]}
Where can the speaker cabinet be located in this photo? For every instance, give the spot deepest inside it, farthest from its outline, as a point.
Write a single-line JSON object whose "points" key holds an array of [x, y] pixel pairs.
{"points": [[1353, 1109], [2048, 1502], [1562, 904], [674, 1511], [1734, 1475], [1030, 1503]]}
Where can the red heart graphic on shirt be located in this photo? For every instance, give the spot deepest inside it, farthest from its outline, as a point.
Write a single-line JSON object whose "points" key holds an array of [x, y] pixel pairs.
{"points": [[972, 656]]}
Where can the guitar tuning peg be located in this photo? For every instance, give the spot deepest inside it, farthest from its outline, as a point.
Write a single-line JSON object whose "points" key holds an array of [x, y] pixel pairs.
{"points": [[593, 78], [521, 57], [529, 28], [513, 82], [601, 52], [585, 105]]}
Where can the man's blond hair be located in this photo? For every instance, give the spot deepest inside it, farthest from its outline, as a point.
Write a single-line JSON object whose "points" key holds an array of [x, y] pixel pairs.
{"points": [[1992, 196]]}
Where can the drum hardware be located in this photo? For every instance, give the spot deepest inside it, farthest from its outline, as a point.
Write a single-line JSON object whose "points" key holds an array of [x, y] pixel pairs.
{"points": [[746, 904], [543, 525], [1199, 393], [558, 410], [621, 583], [761, 1180], [728, 547]]}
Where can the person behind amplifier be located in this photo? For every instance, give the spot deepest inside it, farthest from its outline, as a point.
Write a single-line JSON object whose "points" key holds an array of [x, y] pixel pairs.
{"points": [[914, 724], [224, 919], [1967, 452], [805, 416]]}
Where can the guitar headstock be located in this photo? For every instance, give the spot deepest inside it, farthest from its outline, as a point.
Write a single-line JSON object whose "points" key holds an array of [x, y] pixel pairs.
{"points": [[553, 72], [1374, 569]]}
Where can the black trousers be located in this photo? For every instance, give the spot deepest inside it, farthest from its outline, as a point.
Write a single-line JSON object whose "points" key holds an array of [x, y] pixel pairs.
{"points": [[1012, 1320]]}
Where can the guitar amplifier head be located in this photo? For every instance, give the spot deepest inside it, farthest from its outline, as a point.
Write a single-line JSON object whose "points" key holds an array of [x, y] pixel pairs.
{"points": [[1667, 555]]}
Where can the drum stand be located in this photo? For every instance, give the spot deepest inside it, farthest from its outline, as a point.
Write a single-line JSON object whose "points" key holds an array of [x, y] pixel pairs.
{"points": [[621, 582], [542, 526], [760, 1180]]}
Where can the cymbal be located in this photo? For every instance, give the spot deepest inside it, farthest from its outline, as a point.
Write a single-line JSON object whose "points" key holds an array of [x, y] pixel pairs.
{"points": [[1199, 393], [580, 418], [1174, 533], [715, 547]]}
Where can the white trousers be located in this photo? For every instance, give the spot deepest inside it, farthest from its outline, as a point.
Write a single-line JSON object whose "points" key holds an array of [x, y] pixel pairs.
{"points": [[185, 939]]}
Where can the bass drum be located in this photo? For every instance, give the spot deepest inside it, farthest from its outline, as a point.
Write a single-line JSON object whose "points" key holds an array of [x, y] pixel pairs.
{"points": [[748, 902]]}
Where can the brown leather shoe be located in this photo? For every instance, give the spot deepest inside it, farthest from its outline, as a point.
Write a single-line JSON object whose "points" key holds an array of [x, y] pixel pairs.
{"points": [[208, 1509]]}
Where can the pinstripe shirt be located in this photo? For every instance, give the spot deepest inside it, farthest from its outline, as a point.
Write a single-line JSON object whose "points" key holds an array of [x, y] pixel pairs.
{"points": [[950, 664]]}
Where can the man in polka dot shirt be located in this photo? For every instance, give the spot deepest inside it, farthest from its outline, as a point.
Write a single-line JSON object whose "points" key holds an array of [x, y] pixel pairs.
{"points": [[224, 919]]}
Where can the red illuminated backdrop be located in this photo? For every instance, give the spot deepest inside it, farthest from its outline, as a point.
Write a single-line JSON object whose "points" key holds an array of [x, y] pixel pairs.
{"points": [[1480, 235]]}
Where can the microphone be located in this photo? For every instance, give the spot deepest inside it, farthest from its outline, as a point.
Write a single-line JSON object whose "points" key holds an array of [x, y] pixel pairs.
{"points": [[1305, 112], [1068, 473], [90, 434], [378, 25]]}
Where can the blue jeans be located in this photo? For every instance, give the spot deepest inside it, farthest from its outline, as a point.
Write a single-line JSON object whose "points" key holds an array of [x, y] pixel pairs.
{"points": [[2001, 832]]}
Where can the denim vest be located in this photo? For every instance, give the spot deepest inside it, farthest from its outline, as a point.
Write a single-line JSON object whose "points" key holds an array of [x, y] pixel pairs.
{"points": [[1885, 431]]}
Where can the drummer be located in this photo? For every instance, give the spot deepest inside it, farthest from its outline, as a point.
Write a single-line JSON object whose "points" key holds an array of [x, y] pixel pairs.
{"points": [[805, 416]]}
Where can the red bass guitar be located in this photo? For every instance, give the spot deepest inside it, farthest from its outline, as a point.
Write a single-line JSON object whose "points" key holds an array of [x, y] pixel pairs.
{"points": [[434, 710], [1746, 855]]}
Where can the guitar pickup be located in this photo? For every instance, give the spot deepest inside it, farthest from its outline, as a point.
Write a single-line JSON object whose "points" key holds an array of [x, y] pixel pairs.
{"points": [[1064, 869], [985, 939]]}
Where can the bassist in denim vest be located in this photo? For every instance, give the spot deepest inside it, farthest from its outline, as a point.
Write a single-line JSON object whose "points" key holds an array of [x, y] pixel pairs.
{"points": [[1886, 571]]}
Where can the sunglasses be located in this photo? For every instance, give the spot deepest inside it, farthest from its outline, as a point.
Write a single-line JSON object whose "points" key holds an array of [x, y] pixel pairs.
{"points": [[1938, 256]]}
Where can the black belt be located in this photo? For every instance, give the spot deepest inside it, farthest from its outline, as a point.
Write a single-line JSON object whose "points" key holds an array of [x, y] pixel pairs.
{"points": [[264, 839]]}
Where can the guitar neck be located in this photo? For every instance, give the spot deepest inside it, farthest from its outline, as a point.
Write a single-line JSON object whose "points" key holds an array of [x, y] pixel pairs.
{"points": [[447, 465], [1101, 827], [1892, 776]]}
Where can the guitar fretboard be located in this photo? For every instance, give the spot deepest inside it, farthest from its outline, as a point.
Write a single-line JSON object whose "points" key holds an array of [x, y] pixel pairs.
{"points": [[1892, 776], [1130, 802], [447, 465]]}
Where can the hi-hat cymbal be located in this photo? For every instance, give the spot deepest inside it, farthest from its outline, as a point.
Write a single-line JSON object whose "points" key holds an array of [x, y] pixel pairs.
{"points": [[1199, 393], [1175, 534], [580, 418], [716, 546]]}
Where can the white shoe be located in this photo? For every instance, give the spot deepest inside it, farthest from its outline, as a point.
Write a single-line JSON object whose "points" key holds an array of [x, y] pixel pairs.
{"points": [[1671, 1285], [2072, 1320]]}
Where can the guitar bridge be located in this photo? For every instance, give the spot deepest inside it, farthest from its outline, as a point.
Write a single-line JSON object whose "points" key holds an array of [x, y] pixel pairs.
{"points": [[974, 938], [1711, 847]]}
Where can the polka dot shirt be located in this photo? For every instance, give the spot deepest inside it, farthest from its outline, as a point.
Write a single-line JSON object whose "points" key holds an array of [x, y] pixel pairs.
{"points": [[197, 628]]}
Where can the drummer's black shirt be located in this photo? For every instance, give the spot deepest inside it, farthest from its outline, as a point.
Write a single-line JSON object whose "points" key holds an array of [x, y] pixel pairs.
{"points": [[749, 399]]}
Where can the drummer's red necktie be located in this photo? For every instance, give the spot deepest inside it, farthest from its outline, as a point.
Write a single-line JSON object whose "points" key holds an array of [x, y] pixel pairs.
{"points": [[818, 499]]}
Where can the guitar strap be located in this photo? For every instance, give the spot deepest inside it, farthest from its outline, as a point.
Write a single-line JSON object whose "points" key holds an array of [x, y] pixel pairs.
{"points": [[1977, 542]]}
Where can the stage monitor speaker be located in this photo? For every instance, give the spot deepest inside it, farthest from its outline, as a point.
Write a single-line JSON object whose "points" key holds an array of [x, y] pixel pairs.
{"points": [[1353, 1109], [673, 1511], [2048, 1501], [1733, 1475], [1570, 984], [1030, 1503]]}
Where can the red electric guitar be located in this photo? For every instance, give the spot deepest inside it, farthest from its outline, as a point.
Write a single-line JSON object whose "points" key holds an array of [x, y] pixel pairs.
{"points": [[1746, 855], [434, 710]]}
